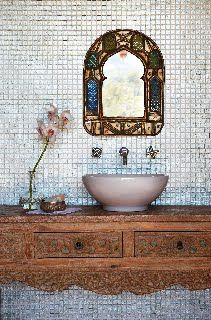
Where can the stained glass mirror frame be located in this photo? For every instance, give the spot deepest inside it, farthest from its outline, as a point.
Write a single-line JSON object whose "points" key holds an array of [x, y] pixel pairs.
{"points": [[149, 53]]}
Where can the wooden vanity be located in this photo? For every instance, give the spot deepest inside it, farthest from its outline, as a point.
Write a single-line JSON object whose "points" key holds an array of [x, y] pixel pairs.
{"points": [[107, 252]]}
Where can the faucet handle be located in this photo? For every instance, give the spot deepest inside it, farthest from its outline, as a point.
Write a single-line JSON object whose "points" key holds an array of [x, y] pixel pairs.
{"points": [[96, 152], [123, 151], [151, 153]]}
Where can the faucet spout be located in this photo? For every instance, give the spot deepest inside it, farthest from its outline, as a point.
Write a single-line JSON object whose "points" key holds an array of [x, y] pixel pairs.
{"points": [[124, 160], [124, 153]]}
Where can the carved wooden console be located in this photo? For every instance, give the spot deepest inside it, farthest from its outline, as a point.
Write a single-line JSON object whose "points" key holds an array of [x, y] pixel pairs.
{"points": [[108, 252]]}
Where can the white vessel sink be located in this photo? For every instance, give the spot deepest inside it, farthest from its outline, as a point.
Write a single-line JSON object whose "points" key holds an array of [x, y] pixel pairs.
{"points": [[125, 192]]}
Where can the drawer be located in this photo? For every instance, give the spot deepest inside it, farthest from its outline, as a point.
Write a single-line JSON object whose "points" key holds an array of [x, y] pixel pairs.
{"points": [[172, 244], [76, 244]]}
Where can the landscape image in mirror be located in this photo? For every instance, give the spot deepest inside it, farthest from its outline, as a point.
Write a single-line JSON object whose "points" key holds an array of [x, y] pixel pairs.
{"points": [[123, 88]]}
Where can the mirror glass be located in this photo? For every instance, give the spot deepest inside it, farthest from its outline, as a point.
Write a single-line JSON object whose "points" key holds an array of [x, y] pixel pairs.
{"points": [[123, 88]]}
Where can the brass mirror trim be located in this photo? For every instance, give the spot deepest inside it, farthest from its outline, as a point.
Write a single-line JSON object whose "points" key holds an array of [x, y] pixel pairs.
{"points": [[149, 53]]}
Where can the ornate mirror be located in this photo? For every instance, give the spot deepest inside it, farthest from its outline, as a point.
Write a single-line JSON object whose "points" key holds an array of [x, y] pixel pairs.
{"points": [[123, 85]]}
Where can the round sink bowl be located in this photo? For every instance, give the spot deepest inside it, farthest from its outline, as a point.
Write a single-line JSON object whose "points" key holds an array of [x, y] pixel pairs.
{"points": [[125, 192]]}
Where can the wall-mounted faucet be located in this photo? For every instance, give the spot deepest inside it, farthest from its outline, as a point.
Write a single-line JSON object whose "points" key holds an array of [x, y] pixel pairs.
{"points": [[123, 153]]}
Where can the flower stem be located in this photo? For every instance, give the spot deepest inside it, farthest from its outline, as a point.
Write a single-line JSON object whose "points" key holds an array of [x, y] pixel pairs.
{"points": [[32, 174]]}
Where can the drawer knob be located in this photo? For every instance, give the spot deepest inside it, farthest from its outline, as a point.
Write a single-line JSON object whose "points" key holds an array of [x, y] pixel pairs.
{"points": [[179, 245], [79, 245]]}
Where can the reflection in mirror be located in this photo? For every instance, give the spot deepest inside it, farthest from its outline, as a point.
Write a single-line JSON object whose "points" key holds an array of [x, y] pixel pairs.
{"points": [[123, 88]]}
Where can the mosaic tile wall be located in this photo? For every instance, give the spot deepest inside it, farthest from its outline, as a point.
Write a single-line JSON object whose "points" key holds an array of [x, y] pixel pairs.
{"points": [[42, 48], [20, 302]]}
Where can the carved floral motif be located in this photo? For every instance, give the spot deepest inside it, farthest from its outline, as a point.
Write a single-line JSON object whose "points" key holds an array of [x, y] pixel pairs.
{"points": [[74, 244], [110, 282]]}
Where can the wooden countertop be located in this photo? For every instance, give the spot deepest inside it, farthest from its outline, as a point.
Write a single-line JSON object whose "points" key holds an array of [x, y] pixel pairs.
{"points": [[11, 214]]}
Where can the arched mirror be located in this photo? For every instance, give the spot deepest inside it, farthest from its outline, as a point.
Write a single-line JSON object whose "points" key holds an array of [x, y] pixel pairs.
{"points": [[123, 85]]}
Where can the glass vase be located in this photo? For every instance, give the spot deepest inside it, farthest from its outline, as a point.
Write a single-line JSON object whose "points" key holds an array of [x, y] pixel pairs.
{"points": [[24, 200]]}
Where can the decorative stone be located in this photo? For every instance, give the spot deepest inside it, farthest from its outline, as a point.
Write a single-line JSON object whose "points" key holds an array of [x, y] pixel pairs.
{"points": [[54, 243], [155, 99], [138, 42], [193, 249], [109, 42], [154, 59], [91, 61], [92, 93], [154, 244], [203, 243]]}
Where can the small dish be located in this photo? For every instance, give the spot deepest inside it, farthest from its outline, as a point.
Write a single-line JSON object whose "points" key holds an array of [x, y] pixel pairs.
{"points": [[52, 206]]}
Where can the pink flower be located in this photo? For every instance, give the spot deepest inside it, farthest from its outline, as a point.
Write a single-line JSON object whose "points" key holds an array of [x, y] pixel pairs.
{"points": [[52, 113], [47, 132], [41, 129], [64, 120], [51, 132]]}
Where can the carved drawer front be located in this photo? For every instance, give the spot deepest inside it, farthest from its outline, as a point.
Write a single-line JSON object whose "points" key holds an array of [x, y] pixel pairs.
{"points": [[173, 244], [76, 244], [12, 246]]}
